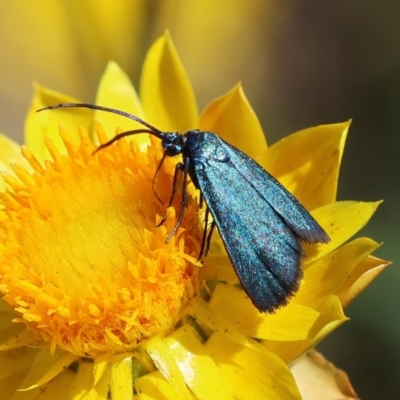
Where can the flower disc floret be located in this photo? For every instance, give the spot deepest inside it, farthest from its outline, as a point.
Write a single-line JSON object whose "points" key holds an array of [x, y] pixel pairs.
{"points": [[95, 276]]}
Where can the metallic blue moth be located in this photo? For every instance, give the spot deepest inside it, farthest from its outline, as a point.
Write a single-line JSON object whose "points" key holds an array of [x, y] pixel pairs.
{"points": [[261, 224]]}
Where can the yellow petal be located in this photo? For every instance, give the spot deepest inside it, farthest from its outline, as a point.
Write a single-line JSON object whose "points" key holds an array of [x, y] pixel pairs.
{"points": [[16, 360], [330, 272], [360, 278], [85, 389], [100, 366], [341, 220], [218, 268], [60, 388], [155, 386], [116, 91], [9, 387], [290, 323], [322, 334], [10, 152], [197, 367], [45, 367], [167, 365], [319, 379], [210, 321], [11, 332], [167, 95], [233, 119], [251, 375], [16, 336], [29, 395], [307, 163], [46, 123], [121, 381], [330, 317]]}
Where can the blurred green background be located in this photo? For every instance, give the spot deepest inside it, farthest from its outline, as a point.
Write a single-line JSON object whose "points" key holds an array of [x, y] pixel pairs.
{"points": [[302, 63]]}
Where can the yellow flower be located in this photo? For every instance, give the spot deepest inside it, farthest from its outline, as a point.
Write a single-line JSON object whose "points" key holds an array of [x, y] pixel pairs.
{"points": [[96, 304]]}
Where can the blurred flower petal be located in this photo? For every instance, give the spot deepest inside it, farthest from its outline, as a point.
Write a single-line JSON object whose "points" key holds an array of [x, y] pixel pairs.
{"points": [[319, 379], [165, 90], [107, 33]]}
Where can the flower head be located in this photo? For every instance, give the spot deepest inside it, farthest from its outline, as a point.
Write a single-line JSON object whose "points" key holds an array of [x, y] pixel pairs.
{"points": [[92, 277], [105, 304]]}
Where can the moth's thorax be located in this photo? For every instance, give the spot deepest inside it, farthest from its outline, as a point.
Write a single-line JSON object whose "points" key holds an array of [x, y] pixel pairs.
{"points": [[202, 146]]}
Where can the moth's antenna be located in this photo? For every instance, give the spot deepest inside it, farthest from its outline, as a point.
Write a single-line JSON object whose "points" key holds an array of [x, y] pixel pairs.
{"points": [[151, 129], [124, 134], [154, 131]]}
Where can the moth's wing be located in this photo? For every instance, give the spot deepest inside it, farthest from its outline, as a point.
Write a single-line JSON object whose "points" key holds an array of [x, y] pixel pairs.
{"points": [[263, 248], [282, 201]]}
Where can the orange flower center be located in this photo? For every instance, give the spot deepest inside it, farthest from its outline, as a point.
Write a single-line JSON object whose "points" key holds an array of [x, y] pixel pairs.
{"points": [[81, 258]]}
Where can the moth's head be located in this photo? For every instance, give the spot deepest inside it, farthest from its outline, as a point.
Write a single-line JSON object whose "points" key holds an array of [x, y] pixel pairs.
{"points": [[173, 143]]}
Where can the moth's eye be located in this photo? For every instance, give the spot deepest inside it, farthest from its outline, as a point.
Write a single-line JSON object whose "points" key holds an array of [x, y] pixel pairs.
{"points": [[173, 149]]}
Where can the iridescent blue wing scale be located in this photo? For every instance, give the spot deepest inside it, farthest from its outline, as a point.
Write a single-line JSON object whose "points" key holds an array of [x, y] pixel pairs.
{"points": [[260, 222]]}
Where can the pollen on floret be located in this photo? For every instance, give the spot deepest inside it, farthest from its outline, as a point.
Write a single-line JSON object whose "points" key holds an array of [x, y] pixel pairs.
{"points": [[82, 260]]}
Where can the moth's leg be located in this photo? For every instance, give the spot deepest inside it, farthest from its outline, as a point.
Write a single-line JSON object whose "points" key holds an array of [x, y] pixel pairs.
{"points": [[178, 167], [204, 238], [201, 201], [185, 168], [153, 182], [210, 232]]}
